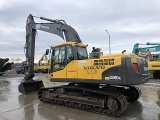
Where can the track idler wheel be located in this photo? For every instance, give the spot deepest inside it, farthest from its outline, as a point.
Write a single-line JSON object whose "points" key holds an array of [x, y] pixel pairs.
{"points": [[29, 86], [112, 104], [116, 104]]}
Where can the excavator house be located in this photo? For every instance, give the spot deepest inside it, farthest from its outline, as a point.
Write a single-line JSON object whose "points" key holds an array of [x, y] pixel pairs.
{"points": [[95, 83]]}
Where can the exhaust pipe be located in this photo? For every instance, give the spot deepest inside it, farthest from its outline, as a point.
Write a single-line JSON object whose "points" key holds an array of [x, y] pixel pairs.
{"points": [[29, 86]]}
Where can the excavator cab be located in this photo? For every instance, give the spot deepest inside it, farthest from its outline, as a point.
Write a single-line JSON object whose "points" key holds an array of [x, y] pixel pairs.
{"points": [[65, 53]]}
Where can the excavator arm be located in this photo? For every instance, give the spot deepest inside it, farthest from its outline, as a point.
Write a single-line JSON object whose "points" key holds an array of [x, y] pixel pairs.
{"points": [[153, 47], [58, 27]]}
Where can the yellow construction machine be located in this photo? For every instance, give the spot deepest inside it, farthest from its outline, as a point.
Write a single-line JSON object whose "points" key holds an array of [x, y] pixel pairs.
{"points": [[43, 64], [152, 54], [96, 83]]}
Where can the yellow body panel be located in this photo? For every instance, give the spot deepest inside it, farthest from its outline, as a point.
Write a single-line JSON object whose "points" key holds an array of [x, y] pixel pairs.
{"points": [[72, 69], [87, 69], [82, 73], [103, 64], [59, 74], [154, 65], [118, 55]]}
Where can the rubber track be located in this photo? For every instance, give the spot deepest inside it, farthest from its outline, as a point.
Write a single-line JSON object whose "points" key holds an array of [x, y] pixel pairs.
{"points": [[86, 107]]}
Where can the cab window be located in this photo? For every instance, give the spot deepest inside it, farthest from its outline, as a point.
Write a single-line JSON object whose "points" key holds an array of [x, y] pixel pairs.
{"points": [[70, 56], [61, 56], [82, 53], [58, 58]]}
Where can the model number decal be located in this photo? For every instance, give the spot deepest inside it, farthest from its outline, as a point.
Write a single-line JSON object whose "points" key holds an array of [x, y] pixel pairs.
{"points": [[38, 26], [113, 78], [44, 27]]}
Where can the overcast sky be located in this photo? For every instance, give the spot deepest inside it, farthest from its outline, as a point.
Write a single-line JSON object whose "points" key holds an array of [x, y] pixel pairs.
{"points": [[127, 21]]}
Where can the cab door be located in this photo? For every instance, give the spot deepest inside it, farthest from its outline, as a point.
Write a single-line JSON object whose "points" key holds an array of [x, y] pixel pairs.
{"points": [[58, 62], [71, 68]]}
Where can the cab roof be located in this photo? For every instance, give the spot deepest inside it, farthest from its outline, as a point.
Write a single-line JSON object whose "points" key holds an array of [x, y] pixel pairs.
{"points": [[70, 43]]}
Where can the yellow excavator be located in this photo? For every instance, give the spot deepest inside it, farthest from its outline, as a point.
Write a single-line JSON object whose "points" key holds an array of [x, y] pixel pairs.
{"points": [[150, 51], [96, 83], [43, 65]]}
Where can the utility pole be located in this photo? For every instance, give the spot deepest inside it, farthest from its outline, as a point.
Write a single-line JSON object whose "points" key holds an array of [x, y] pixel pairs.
{"points": [[109, 42]]}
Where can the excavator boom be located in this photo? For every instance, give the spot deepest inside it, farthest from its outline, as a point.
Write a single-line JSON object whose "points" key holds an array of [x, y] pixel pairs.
{"points": [[58, 27]]}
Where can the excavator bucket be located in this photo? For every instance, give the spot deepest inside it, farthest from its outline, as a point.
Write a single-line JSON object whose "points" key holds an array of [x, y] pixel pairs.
{"points": [[30, 86]]}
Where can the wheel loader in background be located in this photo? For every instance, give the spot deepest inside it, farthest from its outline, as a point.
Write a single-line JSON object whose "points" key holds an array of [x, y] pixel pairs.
{"points": [[152, 54], [43, 64], [100, 84]]}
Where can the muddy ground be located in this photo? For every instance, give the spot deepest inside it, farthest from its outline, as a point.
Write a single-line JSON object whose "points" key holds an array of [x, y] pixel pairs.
{"points": [[16, 106]]}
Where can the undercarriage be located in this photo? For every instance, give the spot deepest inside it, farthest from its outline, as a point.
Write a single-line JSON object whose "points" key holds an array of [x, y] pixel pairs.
{"points": [[102, 99]]}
